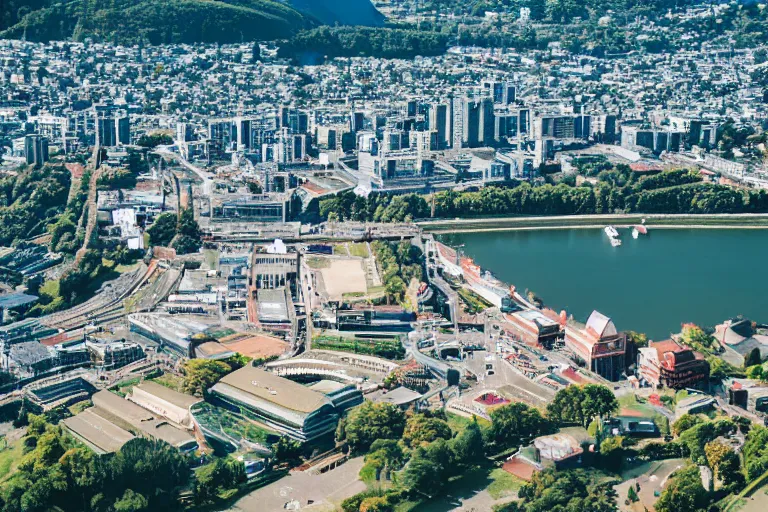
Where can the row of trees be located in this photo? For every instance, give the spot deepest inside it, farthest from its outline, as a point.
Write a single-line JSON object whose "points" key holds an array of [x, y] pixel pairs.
{"points": [[612, 193], [398, 264], [388, 43]]}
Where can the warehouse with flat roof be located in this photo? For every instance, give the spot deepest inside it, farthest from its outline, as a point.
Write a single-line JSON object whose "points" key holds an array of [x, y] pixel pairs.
{"points": [[96, 432], [140, 421], [165, 402], [283, 405]]}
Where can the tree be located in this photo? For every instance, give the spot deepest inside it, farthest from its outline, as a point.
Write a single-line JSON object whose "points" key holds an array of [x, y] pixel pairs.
{"points": [[598, 401], [755, 453], [287, 451], [753, 358], [131, 502], [632, 494], [154, 469], [188, 235], [566, 490], [517, 423], [376, 504], [684, 493], [223, 474], [429, 468], [384, 455], [685, 422], [612, 453], [423, 428], [724, 463], [395, 289], [581, 404], [469, 446], [162, 230], [201, 374], [369, 422]]}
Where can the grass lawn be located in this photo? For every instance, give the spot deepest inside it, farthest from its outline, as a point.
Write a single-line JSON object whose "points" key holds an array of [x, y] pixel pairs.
{"points": [[629, 405], [79, 407], [504, 484], [10, 457], [374, 290], [50, 288], [458, 423], [169, 380], [358, 249], [317, 263], [340, 250], [122, 269], [125, 387], [211, 258]]}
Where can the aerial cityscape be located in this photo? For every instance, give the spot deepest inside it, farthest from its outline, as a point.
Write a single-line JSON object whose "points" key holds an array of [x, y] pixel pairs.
{"points": [[383, 256]]}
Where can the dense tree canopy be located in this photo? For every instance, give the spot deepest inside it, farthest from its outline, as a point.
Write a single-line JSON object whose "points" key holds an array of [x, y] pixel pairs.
{"points": [[516, 424], [678, 192], [581, 404], [684, 492], [30, 200], [370, 422], [575, 490], [142, 475]]}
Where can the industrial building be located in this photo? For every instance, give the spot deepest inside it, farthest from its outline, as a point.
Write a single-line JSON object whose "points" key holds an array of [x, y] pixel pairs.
{"points": [[96, 432], [35, 150], [273, 307], [16, 303], [140, 421], [271, 207], [165, 402], [170, 332], [32, 358], [111, 355], [534, 328]]}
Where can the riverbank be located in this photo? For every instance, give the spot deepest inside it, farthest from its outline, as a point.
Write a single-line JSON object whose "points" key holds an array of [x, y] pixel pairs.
{"points": [[490, 224]]}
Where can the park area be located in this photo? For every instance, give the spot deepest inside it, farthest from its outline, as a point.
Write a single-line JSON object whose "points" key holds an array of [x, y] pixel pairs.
{"points": [[386, 348]]}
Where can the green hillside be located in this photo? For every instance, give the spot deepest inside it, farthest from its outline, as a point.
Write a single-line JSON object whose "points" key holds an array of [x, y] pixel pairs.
{"points": [[150, 21], [342, 12]]}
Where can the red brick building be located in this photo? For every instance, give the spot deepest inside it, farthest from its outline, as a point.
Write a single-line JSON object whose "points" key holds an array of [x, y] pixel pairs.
{"points": [[670, 364]]}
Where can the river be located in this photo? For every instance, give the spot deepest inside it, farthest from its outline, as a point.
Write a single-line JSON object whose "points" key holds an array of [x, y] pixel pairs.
{"points": [[653, 284]]}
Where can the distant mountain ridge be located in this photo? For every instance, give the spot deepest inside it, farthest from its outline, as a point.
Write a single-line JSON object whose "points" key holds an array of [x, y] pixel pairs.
{"points": [[176, 21], [343, 12]]}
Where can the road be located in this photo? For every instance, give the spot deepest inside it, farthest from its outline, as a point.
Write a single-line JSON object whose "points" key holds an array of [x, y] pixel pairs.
{"points": [[326, 490], [205, 176]]}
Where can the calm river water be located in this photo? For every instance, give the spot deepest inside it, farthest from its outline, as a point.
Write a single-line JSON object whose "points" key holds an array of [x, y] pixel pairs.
{"points": [[652, 284]]}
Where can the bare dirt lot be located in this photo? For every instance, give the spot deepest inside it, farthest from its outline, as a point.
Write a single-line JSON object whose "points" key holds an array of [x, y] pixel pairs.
{"points": [[343, 275]]}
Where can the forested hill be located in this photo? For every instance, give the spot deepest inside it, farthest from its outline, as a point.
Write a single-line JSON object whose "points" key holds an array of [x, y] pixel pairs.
{"points": [[343, 12], [175, 21]]}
